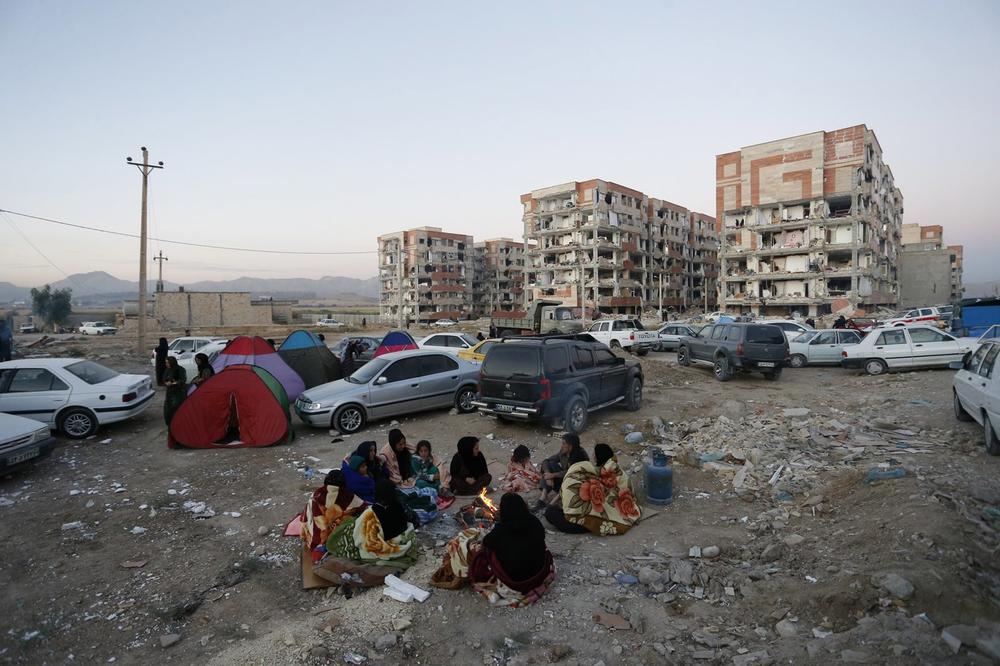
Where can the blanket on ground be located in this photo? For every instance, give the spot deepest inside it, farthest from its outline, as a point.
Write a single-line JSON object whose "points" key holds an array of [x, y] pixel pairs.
{"points": [[423, 502], [327, 508], [600, 499], [360, 539]]}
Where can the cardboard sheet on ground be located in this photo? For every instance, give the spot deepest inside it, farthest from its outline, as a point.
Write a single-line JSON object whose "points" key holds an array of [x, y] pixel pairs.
{"points": [[310, 581]]}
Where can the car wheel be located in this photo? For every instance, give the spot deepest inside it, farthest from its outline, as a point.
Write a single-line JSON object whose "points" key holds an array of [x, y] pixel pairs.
{"points": [[633, 397], [641, 352], [682, 357], [615, 344], [773, 375], [575, 415], [797, 361], [960, 412], [875, 366], [658, 347], [77, 423], [722, 370], [463, 400], [990, 437], [349, 419]]}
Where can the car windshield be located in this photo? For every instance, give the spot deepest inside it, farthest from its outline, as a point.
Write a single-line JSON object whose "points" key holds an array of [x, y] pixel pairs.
{"points": [[804, 337], [90, 372], [368, 371], [471, 341], [511, 361], [769, 334]]}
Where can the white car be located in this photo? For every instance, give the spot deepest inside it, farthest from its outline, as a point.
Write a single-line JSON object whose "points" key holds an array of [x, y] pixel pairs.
{"points": [[28, 328], [71, 394], [819, 347], [904, 348], [449, 342], [791, 328], [670, 334], [443, 323], [624, 334], [97, 328], [329, 323], [919, 315], [186, 347], [976, 392], [22, 441]]}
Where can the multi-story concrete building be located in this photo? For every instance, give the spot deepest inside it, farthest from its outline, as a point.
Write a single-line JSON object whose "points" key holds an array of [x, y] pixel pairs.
{"points": [[498, 281], [601, 245], [957, 288], [930, 273], [426, 274], [810, 223]]}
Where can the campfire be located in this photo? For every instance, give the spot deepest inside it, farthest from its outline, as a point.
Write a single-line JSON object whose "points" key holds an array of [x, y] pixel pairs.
{"points": [[481, 512]]}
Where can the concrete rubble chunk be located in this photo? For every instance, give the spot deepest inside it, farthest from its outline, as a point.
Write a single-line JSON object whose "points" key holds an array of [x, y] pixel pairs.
{"points": [[710, 552], [793, 540], [958, 635], [386, 641], [896, 585], [786, 629], [648, 575], [681, 571], [758, 658], [854, 657], [795, 413], [169, 639], [634, 438], [989, 647]]}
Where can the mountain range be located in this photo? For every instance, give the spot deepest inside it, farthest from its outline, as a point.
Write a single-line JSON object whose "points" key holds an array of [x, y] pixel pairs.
{"points": [[98, 286]]}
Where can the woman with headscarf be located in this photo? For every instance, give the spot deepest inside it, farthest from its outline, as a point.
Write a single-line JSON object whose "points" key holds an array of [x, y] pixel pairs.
{"points": [[554, 467], [509, 566], [596, 497], [161, 360], [356, 478], [347, 364], [389, 509], [175, 379], [397, 466], [205, 370], [469, 472]]}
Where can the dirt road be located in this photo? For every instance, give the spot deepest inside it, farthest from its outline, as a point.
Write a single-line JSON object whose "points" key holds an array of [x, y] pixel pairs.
{"points": [[820, 567]]}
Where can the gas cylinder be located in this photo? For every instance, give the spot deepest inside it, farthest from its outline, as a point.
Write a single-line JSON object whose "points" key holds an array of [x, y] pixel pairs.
{"points": [[659, 478]]}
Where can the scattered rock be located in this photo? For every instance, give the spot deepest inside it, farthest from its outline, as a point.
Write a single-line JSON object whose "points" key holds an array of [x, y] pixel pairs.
{"points": [[793, 540], [990, 647], [681, 571], [319, 652], [169, 639], [262, 531], [854, 657], [710, 551], [896, 585], [795, 413], [401, 623], [786, 629], [75, 525], [648, 576], [559, 652], [386, 641], [634, 438], [695, 551], [772, 553], [958, 635]]}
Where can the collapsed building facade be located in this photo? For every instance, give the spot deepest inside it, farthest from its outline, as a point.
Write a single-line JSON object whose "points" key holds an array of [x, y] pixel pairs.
{"points": [[498, 275], [808, 224], [613, 249], [425, 274]]}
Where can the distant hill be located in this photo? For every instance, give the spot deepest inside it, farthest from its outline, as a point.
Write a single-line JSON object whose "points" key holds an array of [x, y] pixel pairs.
{"points": [[98, 286]]}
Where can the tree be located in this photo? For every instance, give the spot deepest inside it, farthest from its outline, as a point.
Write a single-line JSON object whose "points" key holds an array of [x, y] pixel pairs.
{"points": [[53, 306]]}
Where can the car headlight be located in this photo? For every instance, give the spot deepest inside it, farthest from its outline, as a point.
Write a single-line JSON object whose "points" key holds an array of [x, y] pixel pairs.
{"points": [[311, 406], [41, 434]]}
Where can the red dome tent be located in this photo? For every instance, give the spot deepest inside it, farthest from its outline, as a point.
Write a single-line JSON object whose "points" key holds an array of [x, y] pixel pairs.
{"points": [[241, 406], [255, 351]]}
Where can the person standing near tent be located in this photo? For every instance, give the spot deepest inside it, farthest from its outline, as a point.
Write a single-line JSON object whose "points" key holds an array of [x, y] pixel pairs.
{"points": [[161, 360], [6, 341], [205, 370], [347, 364], [175, 379]]}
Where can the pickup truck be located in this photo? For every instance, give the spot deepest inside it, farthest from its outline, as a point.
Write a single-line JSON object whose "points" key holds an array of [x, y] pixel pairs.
{"points": [[736, 347], [626, 334], [542, 318], [97, 328]]}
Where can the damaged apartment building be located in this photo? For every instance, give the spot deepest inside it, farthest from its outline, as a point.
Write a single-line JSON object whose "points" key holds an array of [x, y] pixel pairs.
{"points": [[425, 274], [615, 250], [808, 224], [498, 275]]}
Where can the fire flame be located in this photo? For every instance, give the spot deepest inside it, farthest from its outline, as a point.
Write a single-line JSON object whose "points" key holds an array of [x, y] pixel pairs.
{"points": [[486, 500]]}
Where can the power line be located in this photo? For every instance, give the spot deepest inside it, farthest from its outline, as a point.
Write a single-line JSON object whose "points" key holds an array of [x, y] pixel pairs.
{"points": [[33, 246], [177, 242]]}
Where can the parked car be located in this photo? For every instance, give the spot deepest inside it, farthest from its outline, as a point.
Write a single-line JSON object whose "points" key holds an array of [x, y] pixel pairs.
{"points": [[669, 336], [450, 342], [97, 328], [976, 392], [391, 385], [187, 347], [22, 441], [628, 334], [737, 347], [368, 346], [478, 353], [556, 380], [443, 323], [916, 316], [820, 347], [904, 348], [329, 323], [791, 328], [28, 328], [71, 394]]}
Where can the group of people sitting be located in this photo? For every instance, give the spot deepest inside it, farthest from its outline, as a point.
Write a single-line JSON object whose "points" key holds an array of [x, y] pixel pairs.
{"points": [[361, 523]]}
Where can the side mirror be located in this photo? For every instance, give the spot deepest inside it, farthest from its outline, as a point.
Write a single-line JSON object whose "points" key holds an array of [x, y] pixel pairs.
{"points": [[956, 365], [381, 380]]}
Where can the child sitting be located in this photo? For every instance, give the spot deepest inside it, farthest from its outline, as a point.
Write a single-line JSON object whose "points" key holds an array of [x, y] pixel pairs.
{"points": [[426, 470], [521, 476]]}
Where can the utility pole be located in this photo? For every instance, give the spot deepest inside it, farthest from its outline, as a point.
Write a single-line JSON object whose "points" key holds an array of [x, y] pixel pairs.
{"points": [[159, 280], [660, 313], [145, 168]]}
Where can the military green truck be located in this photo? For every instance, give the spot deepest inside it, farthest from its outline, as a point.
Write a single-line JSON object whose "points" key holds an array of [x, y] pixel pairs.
{"points": [[542, 318]]}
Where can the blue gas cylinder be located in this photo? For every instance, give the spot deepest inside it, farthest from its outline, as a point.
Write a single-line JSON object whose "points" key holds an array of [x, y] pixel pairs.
{"points": [[659, 478]]}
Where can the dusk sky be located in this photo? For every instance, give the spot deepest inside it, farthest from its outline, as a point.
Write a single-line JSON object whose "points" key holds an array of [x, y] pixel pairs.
{"points": [[317, 126]]}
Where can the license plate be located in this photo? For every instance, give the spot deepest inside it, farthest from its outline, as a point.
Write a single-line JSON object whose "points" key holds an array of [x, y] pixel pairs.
{"points": [[22, 456], [504, 408], [765, 364]]}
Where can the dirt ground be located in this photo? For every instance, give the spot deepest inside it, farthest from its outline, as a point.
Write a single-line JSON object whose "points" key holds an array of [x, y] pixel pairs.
{"points": [[801, 577]]}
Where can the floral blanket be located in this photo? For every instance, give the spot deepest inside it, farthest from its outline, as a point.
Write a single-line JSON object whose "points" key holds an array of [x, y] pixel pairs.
{"points": [[360, 539], [327, 508], [520, 478], [599, 499]]}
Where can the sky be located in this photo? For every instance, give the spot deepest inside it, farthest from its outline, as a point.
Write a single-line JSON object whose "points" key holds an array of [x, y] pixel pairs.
{"points": [[318, 126]]}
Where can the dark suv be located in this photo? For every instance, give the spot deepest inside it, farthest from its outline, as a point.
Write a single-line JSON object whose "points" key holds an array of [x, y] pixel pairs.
{"points": [[556, 379], [736, 347]]}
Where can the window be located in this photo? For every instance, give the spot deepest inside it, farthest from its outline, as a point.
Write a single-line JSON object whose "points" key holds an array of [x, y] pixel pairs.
{"points": [[508, 360], [849, 337], [368, 371], [403, 369], [437, 341], [734, 334], [605, 357], [90, 372], [825, 338], [595, 327], [620, 325], [765, 334], [891, 338], [584, 359], [926, 312], [972, 365], [556, 361], [803, 338], [923, 335], [791, 328], [986, 369], [717, 332], [30, 380], [438, 363], [465, 340]]}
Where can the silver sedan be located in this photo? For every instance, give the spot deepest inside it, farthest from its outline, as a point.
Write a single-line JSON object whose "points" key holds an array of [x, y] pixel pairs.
{"points": [[391, 385], [669, 336]]}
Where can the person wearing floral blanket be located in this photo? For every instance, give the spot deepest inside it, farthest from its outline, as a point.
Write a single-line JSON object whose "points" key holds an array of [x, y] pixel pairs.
{"points": [[380, 535], [328, 507], [597, 497], [521, 476]]}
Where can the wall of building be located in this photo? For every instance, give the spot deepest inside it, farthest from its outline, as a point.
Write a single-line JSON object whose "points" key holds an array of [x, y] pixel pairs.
{"points": [[195, 309], [436, 280], [924, 278]]}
